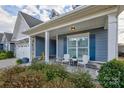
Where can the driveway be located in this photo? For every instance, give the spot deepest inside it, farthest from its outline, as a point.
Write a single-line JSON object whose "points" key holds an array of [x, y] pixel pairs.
{"points": [[7, 63]]}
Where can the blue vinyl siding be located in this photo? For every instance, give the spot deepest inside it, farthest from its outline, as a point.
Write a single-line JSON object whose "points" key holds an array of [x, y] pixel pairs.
{"points": [[52, 47], [1, 46], [92, 47], [101, 44], [40, 46], [60, 46], [98, 44], [65, 45]]}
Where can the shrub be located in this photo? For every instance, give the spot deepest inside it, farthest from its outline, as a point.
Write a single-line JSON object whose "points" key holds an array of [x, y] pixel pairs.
{"points": [[111, 74], [43, 75], [58, 83], [19, 61], [55, 73], [30, 79], [9, 54], [82, 80], [38, 66], [51, 71], [3, 55]]}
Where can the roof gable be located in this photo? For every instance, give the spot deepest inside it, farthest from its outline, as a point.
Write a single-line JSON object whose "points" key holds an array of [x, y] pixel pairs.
{"points": [[7, 37], [20, 26], [31, 21]]}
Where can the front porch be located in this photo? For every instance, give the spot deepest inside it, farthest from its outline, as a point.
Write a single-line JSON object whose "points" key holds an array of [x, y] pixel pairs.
{"points": [[93, 41], [94, 35]]}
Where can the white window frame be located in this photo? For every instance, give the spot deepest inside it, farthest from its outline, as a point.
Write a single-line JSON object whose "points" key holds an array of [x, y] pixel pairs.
{"points": [[78, 35]]}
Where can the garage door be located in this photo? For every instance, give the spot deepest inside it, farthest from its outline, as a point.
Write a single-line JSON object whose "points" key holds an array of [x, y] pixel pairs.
{"points": [[22, 50]]}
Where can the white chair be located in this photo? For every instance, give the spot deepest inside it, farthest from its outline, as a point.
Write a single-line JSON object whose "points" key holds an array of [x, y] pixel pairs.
{"points": [[66, 58], [85, 59]]}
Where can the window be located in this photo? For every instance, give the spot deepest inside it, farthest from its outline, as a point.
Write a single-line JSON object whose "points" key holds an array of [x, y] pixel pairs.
{"points": [[78, 45]]}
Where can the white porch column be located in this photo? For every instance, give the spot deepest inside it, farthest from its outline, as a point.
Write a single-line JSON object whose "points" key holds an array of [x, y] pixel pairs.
{"points": [[112, 37], [46, 46], [57, 47], [30, 49]]}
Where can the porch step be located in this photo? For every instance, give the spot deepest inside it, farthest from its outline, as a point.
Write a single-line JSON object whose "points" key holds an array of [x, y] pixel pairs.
{"points": [[92, 66]]}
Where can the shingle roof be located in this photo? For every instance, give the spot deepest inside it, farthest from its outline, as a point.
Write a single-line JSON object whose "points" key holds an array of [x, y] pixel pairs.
{"points": [[31, 21], [8, 36], [1, 35]]}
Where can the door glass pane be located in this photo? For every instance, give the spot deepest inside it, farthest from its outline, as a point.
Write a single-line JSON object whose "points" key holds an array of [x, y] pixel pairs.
{"points": [[82, 51], [72, 52], [83, 42], [72, 42]]}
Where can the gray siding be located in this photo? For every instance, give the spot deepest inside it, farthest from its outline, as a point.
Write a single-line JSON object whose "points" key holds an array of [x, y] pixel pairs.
{"points": [[100, 43]]}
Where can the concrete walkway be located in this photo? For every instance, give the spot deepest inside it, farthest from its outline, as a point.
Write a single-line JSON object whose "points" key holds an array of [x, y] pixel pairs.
{"points": [[7, 63]]}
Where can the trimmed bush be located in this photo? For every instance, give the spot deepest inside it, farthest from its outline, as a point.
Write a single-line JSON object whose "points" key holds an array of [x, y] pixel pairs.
{"points": [[82, 80], [111, 74], [19, 61]]}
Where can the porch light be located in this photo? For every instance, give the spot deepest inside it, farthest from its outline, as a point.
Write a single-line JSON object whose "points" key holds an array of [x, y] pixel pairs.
{"points": [[73, 28]]}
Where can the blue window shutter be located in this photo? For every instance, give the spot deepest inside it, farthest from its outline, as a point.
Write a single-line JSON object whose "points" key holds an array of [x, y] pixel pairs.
{"points": [[65, 45], [92, 47]]}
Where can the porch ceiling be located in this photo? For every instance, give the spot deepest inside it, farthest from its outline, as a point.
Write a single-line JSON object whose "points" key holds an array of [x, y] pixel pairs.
{"points": [[82, 26]]}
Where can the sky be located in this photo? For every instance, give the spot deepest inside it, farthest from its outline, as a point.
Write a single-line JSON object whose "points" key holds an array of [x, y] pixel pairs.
{"points": [[8, 13]]}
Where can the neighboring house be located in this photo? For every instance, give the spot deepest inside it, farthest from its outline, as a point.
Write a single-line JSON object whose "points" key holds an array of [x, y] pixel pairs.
{"points": [[87, 30], [24, 22], [8, 45], [1, 45], [121, 48]]}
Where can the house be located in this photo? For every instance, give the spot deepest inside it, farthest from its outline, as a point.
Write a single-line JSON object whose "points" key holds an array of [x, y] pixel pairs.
{"points": [[8, 44], [88, 30], [1, 45], [24, 22]]}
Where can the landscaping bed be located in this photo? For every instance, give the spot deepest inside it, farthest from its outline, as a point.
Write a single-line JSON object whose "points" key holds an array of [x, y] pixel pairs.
{"points": [[44, 76]]}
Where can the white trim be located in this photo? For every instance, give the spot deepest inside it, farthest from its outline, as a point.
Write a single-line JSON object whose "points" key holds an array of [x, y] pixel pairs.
{"points": [[112, 37], [78, 35]]}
